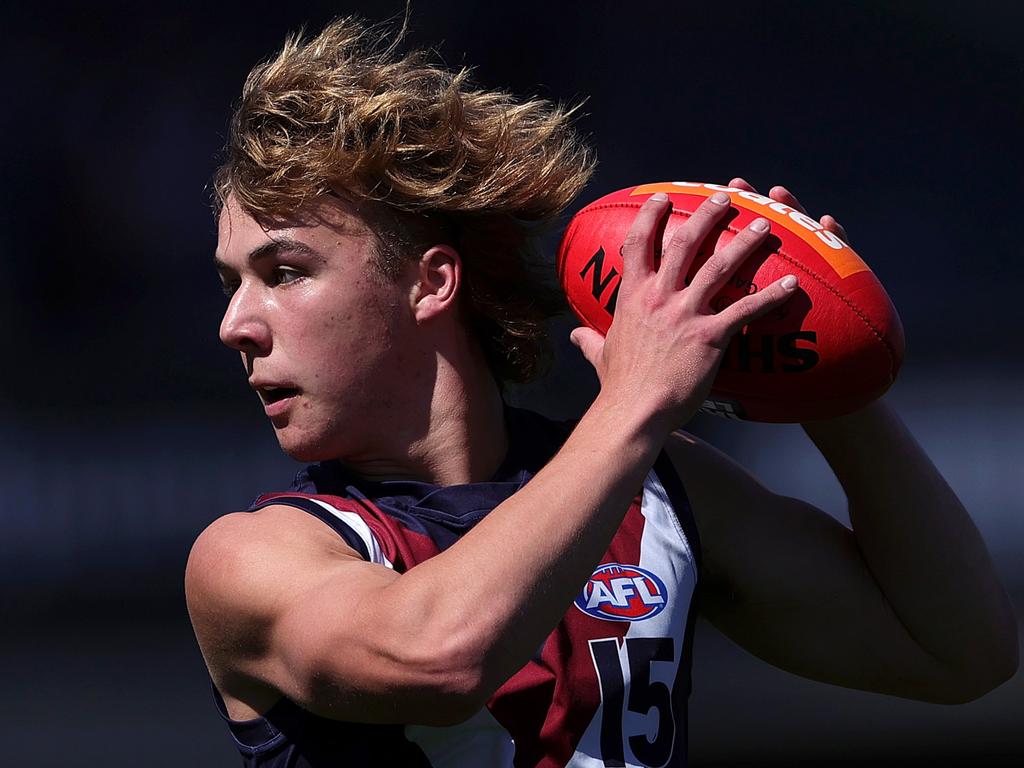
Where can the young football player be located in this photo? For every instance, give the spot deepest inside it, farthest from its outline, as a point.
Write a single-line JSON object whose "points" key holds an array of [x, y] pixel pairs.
{"points": [[454, 582]]}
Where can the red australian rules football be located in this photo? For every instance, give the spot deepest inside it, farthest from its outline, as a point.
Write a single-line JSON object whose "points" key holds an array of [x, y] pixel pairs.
{"points": [[835, 346]]}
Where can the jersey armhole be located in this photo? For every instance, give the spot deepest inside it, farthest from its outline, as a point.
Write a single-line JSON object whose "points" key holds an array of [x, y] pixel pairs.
{"points": [[673, 485], [347, 524]]}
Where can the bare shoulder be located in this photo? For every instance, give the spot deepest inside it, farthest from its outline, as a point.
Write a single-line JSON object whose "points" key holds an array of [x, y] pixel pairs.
{"points": [[240, 574], [282, 606], [240, 557]]}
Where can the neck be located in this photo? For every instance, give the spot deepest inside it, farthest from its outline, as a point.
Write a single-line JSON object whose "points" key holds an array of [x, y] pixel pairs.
{"points": [[460, 436], [467, 440]]}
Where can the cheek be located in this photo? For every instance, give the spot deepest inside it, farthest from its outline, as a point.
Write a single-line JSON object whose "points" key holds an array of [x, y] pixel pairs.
{"points": [[357, 333], [346, 345]]}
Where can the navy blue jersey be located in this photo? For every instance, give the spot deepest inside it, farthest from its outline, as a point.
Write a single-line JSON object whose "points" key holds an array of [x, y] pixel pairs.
{"points": [[607, 688]]}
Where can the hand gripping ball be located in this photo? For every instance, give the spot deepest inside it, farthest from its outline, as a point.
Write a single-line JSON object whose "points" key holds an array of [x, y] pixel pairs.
{"points": [[835, 346]]}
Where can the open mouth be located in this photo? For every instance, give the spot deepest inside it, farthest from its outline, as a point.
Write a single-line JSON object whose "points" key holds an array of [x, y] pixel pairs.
{"points": [[274, 394]]}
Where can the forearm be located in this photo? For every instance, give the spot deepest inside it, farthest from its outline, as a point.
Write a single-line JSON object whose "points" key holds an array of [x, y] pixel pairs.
{"points": [[918, 542]]}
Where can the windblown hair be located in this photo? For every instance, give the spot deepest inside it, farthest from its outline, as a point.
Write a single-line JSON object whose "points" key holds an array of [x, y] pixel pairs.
{"points": [[346, 113]]}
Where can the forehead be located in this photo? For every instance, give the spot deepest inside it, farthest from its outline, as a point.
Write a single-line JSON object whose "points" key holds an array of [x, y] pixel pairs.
{"points": [[324, 226]]}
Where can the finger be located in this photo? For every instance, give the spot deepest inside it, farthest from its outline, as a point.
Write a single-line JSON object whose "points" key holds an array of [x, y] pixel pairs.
{"points": [[681, 249], [716, 271], [741, 183], [590, 343], [830, 223], [639, 245], [783, 195], [751, 307]]}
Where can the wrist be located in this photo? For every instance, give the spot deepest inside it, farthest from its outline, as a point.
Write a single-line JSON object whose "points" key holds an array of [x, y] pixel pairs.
{"points": [[870, 419], [864, 446], [645, 429]]}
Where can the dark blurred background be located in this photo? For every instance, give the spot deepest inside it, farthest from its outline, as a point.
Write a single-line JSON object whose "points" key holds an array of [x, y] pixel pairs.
{"points": [[127, 427]]}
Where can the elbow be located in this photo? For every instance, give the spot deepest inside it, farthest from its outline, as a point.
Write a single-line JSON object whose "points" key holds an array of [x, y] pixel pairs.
{"points": [[999, 665], [421, 664], [452, 708], [390, 678], [971, 683], [451, 677], [969, 689], [991, 659], [994, 676], [441, 668], [462, 660]]}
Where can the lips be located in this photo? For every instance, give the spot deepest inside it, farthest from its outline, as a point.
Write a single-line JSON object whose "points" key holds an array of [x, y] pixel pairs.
{"points": [[277, 401], [277, 396], [270, 395]]}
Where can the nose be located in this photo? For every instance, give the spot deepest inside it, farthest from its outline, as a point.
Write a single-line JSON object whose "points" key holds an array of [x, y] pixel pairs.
{"points": [[244, 326]]}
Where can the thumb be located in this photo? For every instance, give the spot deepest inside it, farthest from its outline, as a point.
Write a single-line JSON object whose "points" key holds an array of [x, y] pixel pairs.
{"points": [[590, 343]]}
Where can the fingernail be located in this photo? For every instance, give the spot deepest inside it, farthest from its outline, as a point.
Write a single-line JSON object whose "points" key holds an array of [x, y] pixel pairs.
{"points": [[719, 198], [659, 196], [760, 225], [789, 282]]}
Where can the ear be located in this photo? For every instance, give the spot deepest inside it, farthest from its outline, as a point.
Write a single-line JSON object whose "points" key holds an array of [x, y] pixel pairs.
{"points": [[439, 276]]}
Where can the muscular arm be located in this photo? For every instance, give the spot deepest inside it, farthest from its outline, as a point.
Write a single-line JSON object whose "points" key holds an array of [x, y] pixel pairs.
{"points": [[340, 636], [905, 603]]}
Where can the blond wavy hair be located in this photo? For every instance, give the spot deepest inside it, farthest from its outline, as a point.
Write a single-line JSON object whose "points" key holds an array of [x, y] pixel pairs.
{"points": [[346, 113]]}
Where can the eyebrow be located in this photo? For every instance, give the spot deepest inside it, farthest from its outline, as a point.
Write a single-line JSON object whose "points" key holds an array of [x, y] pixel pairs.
{"points": [[271, 250]]}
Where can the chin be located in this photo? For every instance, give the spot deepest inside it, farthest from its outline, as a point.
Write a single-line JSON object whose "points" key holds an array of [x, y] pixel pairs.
{"points": [[306, 449], [303, 456]]}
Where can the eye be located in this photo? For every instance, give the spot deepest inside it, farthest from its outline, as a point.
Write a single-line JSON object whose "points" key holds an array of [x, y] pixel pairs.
{"points": [[228, 287], [286, 275]]}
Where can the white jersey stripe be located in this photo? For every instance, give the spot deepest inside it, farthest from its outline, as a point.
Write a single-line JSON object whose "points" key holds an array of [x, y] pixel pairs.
{"points": [[361, 529]]}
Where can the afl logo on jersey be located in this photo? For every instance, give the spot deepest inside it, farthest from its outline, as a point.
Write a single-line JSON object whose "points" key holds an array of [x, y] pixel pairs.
{"points": [[619, 592]]}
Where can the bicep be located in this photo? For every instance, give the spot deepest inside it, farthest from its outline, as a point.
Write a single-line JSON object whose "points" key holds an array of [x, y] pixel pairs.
{"points": [[787, 582], [278, 600]]}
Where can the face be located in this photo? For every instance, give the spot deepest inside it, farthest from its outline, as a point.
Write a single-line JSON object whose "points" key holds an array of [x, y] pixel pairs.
{"points": [[323, 337]]}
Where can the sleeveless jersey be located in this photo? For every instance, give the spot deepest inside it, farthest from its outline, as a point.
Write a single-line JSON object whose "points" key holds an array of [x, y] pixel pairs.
{"points": [[608, 687]]}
